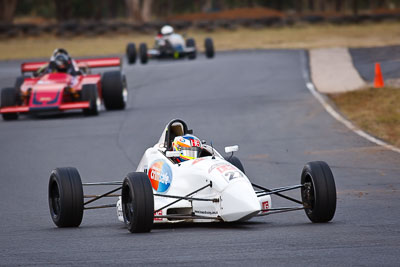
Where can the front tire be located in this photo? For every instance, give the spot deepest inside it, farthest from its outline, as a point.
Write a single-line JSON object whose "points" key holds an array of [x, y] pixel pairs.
{"points": [[319, 191], [114, 90], [138, 202], [131, 53], [192, 44], [209, 47], [66, 197], [90, 93], [143, 53], [9, 99], [18, 82]]}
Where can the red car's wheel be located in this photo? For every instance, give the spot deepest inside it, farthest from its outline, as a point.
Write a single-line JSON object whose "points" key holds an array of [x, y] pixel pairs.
{"points": [[89, 93], [9, 99], [114, 89]]}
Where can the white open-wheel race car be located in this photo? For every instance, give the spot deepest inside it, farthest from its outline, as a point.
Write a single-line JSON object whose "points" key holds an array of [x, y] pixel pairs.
{"points": [[175, 47], [210, 188]]}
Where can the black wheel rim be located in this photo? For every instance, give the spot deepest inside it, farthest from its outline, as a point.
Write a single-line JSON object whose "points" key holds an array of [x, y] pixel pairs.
{"points": [[308, 194], [55, 205], [127, 204]]}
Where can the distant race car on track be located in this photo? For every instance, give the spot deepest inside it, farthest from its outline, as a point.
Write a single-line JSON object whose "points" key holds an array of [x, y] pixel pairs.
{"points": [[65, 84], [182, 179], [168, 45]]}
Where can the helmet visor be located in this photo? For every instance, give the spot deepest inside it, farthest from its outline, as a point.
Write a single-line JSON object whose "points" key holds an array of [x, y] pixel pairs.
{"points": [[190, 152]]}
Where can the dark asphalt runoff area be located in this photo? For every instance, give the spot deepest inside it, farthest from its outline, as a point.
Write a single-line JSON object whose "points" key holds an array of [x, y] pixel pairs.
{"points": [[364, 60], [257, 99]]}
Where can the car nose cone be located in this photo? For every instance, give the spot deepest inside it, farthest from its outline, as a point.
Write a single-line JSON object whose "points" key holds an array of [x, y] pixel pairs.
{"points": [[239, 202]]}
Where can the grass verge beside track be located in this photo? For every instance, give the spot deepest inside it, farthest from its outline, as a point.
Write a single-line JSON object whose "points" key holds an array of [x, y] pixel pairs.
{"points": [[298, 36], [376, 111]]}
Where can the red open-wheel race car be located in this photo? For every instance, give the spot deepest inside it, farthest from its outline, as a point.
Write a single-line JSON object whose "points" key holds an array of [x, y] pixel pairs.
{"points": [[51, 90]]}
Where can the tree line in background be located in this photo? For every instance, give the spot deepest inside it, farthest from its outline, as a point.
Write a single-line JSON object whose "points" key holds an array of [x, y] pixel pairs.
{"points": [[147, 10]]}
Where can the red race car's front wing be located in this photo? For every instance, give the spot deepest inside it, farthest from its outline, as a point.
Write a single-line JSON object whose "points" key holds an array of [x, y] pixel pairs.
{"points": [[65, 106]]}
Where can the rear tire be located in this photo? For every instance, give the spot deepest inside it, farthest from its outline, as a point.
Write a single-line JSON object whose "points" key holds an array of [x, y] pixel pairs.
{"points": [[319, 191], [66, 197], [19, 81], [191, 43], [131, 53], [138, 202], [209, 47], [235, 162], [90, 93], [9, 99], [143, 53], [114, 90]]}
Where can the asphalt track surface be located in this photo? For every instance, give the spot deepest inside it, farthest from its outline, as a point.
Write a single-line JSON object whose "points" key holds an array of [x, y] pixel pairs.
{"points": [[257, 99]]}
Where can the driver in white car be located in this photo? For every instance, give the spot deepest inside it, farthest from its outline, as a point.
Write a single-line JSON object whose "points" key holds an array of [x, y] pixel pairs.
{"points": [[167, 40], [189, 147]]}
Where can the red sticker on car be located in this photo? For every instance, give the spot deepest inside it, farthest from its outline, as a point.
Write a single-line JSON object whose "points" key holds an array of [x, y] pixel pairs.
{"points": [[158, 213], [265, 206], [195, 143]]}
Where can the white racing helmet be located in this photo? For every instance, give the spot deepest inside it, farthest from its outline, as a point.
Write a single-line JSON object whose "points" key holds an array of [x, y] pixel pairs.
{"points": [[188, 145], [166, 30]]}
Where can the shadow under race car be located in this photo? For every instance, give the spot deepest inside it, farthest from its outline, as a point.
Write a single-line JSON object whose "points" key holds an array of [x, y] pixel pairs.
{"points": [[210, 188]]}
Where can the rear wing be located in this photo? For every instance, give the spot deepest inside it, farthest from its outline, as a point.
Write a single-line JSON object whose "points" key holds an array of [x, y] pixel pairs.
{"points": [[32, 66], [82, 63], [99, 62]]}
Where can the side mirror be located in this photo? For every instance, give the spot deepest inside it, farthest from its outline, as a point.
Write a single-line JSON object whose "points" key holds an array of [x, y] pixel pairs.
{"points": [[172, 154], [231, 149]]}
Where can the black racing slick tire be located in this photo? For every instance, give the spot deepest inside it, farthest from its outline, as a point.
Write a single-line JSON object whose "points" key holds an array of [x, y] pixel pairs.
{"points": [[90, 93], [19, 81], [318, 193], [209, 47], [235, 162], [192, 44], [66, 197], [9, 99], [114, 90], [131, 53], [138, 202], [143, 53]]}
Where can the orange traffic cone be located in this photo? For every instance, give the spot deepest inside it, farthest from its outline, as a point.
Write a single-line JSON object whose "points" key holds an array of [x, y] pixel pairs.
{"points": [[378, 81]]}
